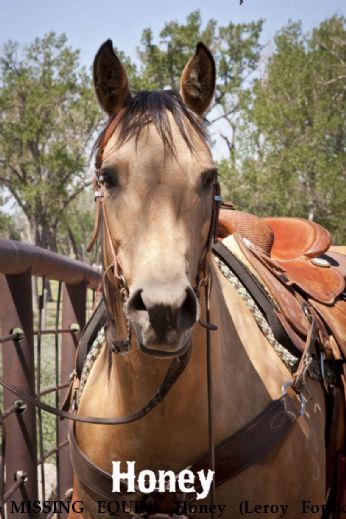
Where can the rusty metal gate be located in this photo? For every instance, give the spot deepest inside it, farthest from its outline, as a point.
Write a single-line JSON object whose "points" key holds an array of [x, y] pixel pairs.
{"points": [[44, 300]]}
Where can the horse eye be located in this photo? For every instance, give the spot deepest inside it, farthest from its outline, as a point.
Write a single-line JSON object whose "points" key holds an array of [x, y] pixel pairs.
{"points": [[108, 178], [208, 178]]}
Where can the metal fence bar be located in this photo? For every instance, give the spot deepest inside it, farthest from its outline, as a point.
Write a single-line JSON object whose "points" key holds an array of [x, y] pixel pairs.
{"points": [[73, 311], [21, 479], [18, 406], [57, 381], [53, 332], [17, 257], [52, 389], [19, 262], [18, 370], [52, 451], [15, 335], [41, 302]]}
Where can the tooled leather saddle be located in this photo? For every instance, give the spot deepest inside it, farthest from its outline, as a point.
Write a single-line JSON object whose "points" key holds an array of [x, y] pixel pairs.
{"points": [[294, 259]]}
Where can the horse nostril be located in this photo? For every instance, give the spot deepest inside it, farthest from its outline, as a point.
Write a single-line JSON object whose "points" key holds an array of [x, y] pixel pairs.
{"points": [[188, 311], [174, 314], [136, 302]]}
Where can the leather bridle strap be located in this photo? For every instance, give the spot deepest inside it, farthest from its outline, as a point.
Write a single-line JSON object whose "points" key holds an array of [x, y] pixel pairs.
{"points": [[202, 274], [211, 447], [114, 265], [175, 369]]}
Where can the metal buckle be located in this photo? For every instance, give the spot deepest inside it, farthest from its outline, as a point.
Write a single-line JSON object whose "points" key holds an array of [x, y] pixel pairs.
{"points": [[218, 198], [98, 194], [307, 312], [302, 398], [322, 359]]}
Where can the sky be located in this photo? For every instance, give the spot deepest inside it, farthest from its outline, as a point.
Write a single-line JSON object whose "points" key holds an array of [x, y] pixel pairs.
{"points": [[88, 23]]}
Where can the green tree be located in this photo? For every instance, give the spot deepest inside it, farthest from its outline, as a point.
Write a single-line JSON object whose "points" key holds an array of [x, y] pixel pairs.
{"points": [[285, 130], [236, 50], [48, 120], [162, 63], [292, 151], [78, 224]]}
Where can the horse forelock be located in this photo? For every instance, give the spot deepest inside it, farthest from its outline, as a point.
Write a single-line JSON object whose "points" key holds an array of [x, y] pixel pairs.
{"points": [[154, 108]]}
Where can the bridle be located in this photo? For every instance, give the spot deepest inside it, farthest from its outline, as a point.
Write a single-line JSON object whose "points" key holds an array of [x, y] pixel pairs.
{"points": [[113, 272]]}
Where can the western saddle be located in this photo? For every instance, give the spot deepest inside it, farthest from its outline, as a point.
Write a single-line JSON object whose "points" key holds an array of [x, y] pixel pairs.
{"points": [[293, 260]]}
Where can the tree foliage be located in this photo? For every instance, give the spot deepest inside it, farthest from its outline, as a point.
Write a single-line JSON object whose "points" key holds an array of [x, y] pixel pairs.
{"points": [[48, 116], [283, 121], [292, 152], [236, 49]]}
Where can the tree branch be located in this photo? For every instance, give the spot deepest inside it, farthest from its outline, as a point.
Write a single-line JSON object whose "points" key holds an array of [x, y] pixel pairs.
{"points": [[71, 198], [225, 115], [229, 144], [19, 201]]}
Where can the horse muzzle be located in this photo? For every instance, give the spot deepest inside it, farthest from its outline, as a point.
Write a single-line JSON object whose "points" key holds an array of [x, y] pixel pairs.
{"points": [[163, 318]]}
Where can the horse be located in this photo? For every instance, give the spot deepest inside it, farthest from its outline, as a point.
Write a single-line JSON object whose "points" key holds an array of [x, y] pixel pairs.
{"points": [[163, 289]]}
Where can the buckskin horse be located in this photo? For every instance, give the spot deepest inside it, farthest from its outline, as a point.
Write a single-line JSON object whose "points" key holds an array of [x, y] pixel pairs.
{"points": [[186, 371]]}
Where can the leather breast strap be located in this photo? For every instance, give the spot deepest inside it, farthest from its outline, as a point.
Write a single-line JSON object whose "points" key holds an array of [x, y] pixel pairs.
{"points": [[232, 456]]}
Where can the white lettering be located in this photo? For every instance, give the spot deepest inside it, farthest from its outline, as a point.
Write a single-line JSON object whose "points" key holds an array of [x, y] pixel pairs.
{"points": [[167, 485], [129, 476], [147, 481], [166, 481], [186, 477], [206, 482]]}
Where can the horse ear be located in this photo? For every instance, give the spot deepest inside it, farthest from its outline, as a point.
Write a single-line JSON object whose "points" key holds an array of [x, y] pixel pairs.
{"points": [[197, 83], [110, 80]]}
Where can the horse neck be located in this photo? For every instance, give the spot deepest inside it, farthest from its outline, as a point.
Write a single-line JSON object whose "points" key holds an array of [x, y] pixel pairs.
{"points": [[247, 371]]}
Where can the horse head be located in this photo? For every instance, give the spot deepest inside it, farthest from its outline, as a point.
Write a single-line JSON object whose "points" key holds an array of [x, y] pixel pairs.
{"points": [[158, 179]]}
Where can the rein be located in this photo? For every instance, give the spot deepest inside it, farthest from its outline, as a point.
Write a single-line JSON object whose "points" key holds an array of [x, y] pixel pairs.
{"points": [[174, 371]]}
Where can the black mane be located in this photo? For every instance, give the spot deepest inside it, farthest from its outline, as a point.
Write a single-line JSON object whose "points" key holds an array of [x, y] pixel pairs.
{"points": [[153, 107]]}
